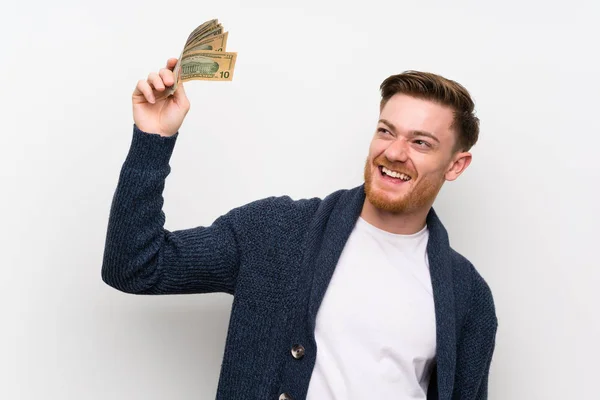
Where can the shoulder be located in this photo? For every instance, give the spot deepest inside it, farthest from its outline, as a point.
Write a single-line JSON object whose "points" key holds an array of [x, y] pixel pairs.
{"points": [[280, 204], [274, 211], [473, 293], [285, 207]]}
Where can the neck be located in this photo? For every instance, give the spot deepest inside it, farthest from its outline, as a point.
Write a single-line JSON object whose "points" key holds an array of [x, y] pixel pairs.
{"points": [[399, 223]]}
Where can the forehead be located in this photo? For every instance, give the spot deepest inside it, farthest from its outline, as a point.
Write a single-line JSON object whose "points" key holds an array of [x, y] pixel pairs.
{"points": [[409, 114]]}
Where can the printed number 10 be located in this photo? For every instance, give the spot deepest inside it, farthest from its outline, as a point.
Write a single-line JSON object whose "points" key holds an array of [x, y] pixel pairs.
{"points": [[225, 74]]}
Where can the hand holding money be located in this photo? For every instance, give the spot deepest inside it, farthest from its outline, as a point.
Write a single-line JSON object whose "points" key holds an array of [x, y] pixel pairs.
{"points": [[158, 107], [204, 56], [154, 111]]}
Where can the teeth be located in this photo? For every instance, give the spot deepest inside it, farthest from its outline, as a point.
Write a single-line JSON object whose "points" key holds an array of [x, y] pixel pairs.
{"points": [[395, 174]]}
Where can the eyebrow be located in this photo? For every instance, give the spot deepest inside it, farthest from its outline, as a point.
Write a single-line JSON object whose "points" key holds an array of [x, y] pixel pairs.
{"points": [[414, 133]]}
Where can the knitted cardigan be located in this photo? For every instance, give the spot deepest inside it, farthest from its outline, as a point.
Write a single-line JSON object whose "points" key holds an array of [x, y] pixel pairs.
{"points": [[277, 256]]}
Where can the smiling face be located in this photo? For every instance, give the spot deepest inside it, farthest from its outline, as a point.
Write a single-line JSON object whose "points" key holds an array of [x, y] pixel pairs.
{"points": [[411, 155]]}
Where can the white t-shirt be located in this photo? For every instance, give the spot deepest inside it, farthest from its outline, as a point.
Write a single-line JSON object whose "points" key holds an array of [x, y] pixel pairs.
{"points": [[375, 329]]}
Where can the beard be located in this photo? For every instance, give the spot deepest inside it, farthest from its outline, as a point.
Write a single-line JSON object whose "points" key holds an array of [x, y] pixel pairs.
{"points": [[418, 194]]}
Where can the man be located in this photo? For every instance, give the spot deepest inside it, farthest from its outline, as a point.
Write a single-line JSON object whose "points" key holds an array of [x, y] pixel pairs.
{"points": [[354, 296]]}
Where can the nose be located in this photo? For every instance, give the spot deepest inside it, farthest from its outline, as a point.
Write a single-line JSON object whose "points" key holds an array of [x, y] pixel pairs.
{"points": [[397, 150]]}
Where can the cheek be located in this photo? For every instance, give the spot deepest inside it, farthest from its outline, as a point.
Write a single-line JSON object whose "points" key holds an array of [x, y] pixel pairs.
{"points": [[376, 149], [429, 170], [426, 166]]}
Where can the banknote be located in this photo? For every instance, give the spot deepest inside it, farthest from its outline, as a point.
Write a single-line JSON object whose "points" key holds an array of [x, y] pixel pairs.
{"points": [[204, 56], [217, 30], [202, 29], [214, 35], [207, 65], [216, 43]]}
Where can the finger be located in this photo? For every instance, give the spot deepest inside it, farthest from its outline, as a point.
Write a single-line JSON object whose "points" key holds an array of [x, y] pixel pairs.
{"points": [[144, 89], [156, 82], [171, 63], [167, 76]]}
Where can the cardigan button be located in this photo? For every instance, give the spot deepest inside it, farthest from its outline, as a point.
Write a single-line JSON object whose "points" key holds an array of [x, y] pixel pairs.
{"points": [[298, 351], [285, 396]]}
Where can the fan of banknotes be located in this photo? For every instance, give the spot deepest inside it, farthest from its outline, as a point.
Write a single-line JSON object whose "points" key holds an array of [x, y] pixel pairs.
{"points": [[204, 56]]}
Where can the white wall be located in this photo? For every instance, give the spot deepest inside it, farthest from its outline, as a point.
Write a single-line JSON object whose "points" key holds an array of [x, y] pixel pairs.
{"points": [[297, 120]]}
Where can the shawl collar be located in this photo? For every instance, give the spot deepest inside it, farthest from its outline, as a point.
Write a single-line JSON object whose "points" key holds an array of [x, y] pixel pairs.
{"points": [[343, 209]]}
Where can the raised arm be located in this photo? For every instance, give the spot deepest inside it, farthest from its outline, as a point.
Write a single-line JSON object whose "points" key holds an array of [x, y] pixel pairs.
{"points": [[140, 256]]}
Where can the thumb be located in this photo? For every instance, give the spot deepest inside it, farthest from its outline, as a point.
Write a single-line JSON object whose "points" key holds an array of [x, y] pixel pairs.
{"points": [[180, 96]]}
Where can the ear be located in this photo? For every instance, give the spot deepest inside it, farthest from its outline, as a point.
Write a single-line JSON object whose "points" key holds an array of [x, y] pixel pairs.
{"points": [[459, 163]]}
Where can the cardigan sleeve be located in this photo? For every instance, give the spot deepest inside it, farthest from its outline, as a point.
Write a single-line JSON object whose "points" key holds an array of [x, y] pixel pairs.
{"points": [[142, 257], [476, 345]]}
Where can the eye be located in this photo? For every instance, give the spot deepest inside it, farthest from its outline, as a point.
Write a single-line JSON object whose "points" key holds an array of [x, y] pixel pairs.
{"points": [[383, 130], [422, 143]]}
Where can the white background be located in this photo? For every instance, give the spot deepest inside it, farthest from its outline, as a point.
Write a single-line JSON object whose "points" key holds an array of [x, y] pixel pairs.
{"points": [[297, 120]]}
